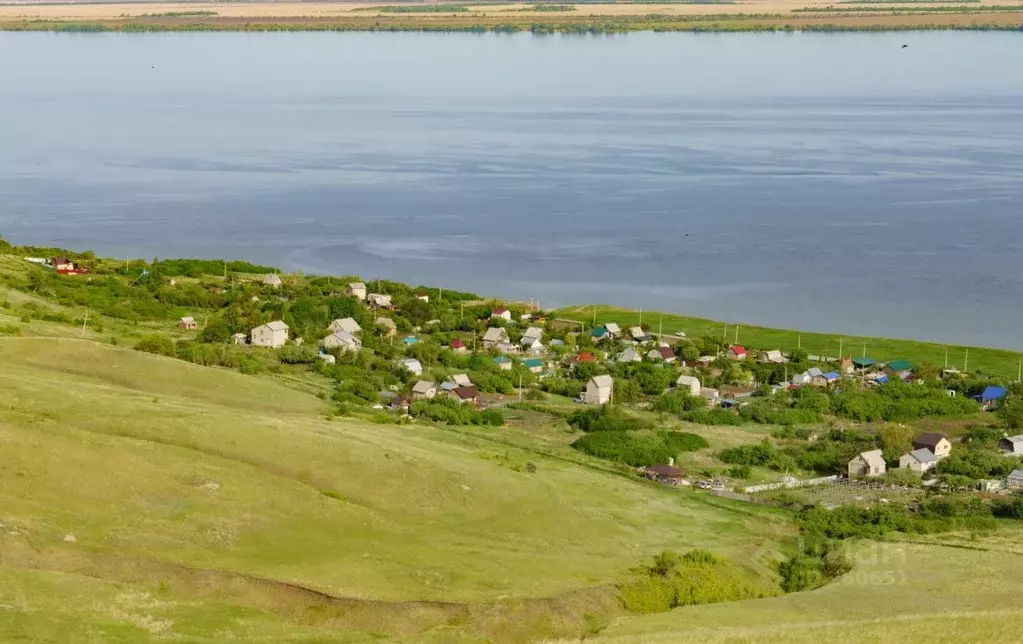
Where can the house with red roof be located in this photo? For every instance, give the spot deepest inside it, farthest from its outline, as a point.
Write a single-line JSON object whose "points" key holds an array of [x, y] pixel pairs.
{"points": [[458, 345], [502, 313], [737, 352]]}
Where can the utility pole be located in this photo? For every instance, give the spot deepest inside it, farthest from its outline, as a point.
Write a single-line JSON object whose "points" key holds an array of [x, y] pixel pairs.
{"points": [[461, 312], [641, 317], [660, 325], [225, 270], [594, 316], [864, 350], [946, 359], [1019, 373], [85, 321], [736, 333], [840, 339], [520, 387], [966, 362]]}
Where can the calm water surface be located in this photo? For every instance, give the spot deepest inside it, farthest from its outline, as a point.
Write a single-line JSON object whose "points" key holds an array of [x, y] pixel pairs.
{"points": [[828, 182]]}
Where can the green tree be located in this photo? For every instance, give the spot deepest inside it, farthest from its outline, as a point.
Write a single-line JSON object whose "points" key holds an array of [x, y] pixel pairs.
{"points": [[627, 391]]}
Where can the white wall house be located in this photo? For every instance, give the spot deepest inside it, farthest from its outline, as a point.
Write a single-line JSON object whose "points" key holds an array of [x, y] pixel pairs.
{"points": [[273, 335], [599, 390]]}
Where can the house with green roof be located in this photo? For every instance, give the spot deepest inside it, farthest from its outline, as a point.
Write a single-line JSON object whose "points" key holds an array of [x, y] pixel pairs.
{"points": [[897, 366], [864, 362], [598, 333], [503, 363], [535, 365]]}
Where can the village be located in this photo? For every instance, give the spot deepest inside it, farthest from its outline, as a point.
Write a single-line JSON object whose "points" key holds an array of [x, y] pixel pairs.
{"points": [[519, 353]]}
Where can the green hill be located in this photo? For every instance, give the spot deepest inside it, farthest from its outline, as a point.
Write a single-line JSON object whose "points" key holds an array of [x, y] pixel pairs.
{"points": [[144, 496]]}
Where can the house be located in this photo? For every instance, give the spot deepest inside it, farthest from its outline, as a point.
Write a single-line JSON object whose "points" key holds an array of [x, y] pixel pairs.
{"points": [[665, 474], [1014, 480], [816, 376], [711, 395], [273, 335], [845, 366], [733, 391], [992, 396], [630, 355], [691, 383], [348, 325], [773, 356], [868, 464], [801, 379], [831, 377], [535, 365], [638, 334], [447, 386], [937, 443], [400, 404], [864, 362], [600, 333], [379, 300], [494, 336], [461, 380], [503, 363], [525, 317], [327, 358], [423, 297], [1011, 444], [897, 366], [412, 365], [661, 353], [62, 265], [919, 460], [582, 356], [273, 280], [238, 338], [188, 322], [357, 290], [598, 390], [507, 347], [501, 313], [989, 485], [736, 352], [342, 340], [532, 344], [532, 332], [424, 390], [613, 330], [465, 394], [458, 346], [390, 328]]}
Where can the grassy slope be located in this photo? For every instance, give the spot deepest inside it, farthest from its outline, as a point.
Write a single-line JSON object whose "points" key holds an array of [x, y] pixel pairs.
{"points": [[999, 362], [162, 469], [896, 593]]}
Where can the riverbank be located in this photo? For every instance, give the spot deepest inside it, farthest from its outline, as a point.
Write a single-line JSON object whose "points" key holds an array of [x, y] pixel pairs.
{"points": [[768, 15]]}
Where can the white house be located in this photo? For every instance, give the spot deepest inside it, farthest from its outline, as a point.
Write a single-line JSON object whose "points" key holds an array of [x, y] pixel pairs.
{"points": [[661, 353], [326, 357], [380, 300], [736, 352], [638, 334], [533, 346], [187, 322], [598, 390], [273, 335], [357, 290], [692, 383], [935, 442], [919, 460], [613, 330], [348, 325], [424, 389], [414, 366], [868, 464], [272, 280], [711, 395], [502, 313], [773, 356], [533, 332], [494, 336], [238, 338], [423, 297], [461, 380], [342, 340]]}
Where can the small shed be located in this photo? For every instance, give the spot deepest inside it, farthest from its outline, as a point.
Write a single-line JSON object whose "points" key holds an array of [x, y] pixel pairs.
{"points": [[1011, 444], [188, 322], [356, 290], [736, 352], [348, 325], [665, 474], [919, 460], [239, 338], [273, 280], [502, 313], [1015, 480], [661, 354], [535, 365], [458, 346], [424, 390], [630, 355], [412, 365], [638, 334], [465, 394], [690, 383], [503, 363], [992, 396], [774, 356]]}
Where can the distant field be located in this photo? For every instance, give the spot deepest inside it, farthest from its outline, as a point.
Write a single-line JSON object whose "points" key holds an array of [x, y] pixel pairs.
{"points": [[998, 362], [611, 16]]}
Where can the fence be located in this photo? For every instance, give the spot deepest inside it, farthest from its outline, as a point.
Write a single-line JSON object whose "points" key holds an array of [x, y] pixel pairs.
{"points": [[753, 489]]}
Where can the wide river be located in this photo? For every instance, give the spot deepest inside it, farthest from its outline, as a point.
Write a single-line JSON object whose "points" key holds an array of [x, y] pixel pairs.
{"points": [[827, 182]]}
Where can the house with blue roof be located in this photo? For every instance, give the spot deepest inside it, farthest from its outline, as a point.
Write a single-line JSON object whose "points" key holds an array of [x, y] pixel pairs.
{"points": [[831, 377], [992, 396]]}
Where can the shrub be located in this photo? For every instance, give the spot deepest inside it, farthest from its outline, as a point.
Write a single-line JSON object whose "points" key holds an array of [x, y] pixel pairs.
{"points": [[638, 449], [158, 344], [678, 402], [713, 417], [606, 418]]}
